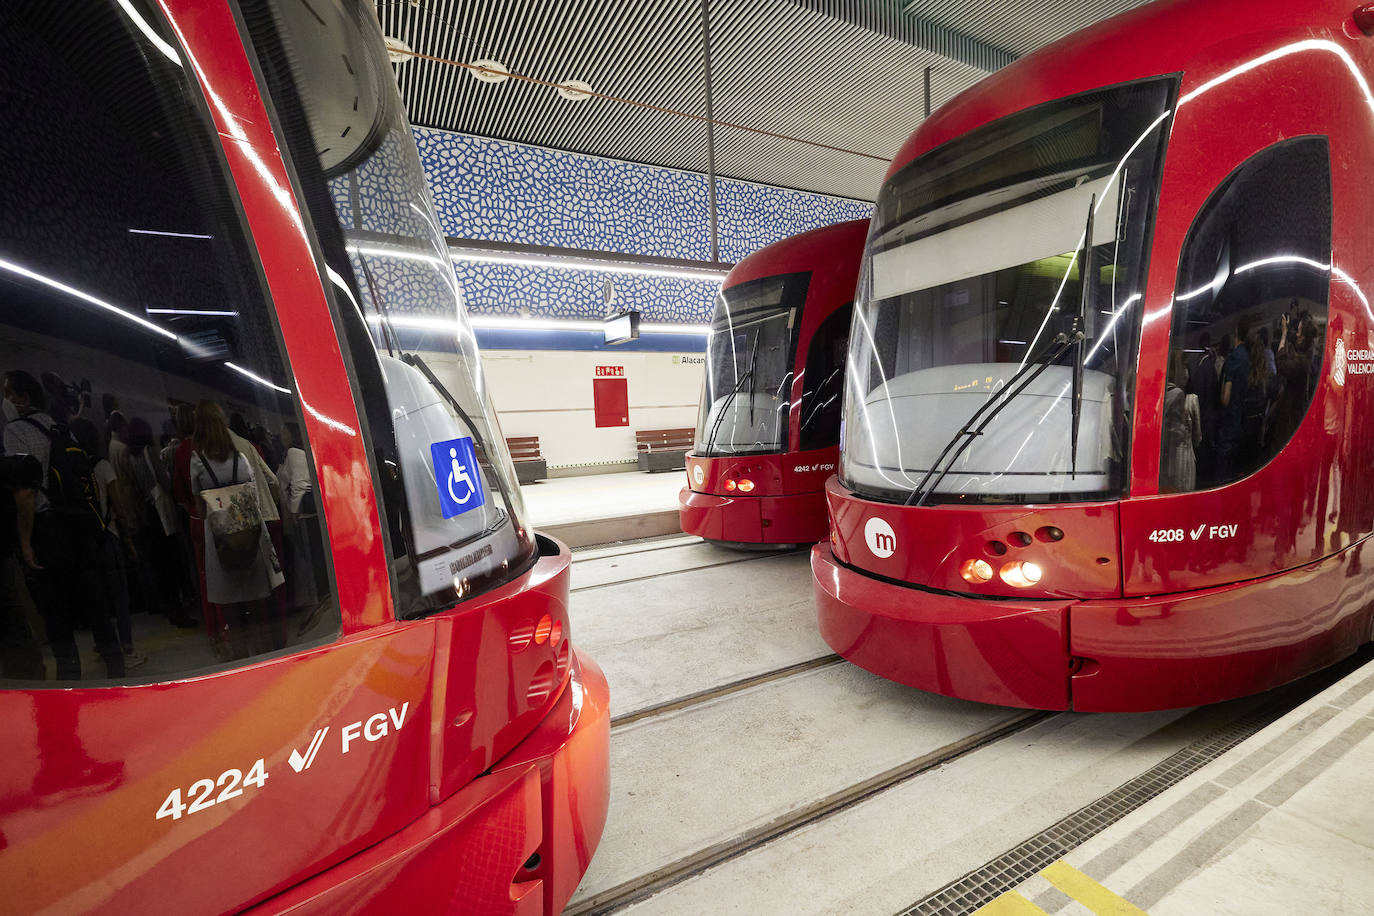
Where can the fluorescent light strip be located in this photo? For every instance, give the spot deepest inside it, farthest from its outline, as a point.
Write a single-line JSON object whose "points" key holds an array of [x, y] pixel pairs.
{"points": [[203, 313], [174, 235], [685, 273], [504, 323], [86, 297], [257, 378], [400, 254]]}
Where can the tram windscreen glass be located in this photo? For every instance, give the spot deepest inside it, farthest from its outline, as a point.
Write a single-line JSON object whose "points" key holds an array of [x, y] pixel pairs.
{"points": [[146, 388], [454, 513], [988, 255], [750, 354]]}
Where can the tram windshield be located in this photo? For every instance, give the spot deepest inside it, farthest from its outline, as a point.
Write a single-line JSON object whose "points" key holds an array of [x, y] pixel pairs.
{"points": [[1001, 289], [447, 481], [750, 356]]}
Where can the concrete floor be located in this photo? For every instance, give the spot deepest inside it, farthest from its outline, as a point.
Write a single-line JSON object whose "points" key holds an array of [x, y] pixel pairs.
{"points": [[690, 618], [1273, 824]]}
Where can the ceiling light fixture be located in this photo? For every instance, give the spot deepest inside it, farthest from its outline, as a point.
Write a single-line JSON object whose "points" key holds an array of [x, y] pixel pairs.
{"points": [[516, 323], [574, 90], [687, 273], [486, 70], [398, 51]]}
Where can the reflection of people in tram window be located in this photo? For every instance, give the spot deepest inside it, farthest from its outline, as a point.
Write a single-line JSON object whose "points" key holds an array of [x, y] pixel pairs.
{"points": [[1182, 429], [241, 592], [1254, 405], [1235, 374], [1203, 383], [21, 657], [1294, 360]]}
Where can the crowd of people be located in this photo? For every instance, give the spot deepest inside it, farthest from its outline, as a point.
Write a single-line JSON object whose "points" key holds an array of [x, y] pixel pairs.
{"points": [[1230, 409], [209, 522]]}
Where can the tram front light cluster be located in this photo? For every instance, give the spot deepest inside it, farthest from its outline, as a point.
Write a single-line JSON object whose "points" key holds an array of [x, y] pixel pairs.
{"points": [[1021, 573], [976, 572], [743, 485]]}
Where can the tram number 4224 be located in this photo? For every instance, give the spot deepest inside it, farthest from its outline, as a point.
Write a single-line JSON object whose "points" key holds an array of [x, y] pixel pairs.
{"points": [[1203, 532], [202, 792]]}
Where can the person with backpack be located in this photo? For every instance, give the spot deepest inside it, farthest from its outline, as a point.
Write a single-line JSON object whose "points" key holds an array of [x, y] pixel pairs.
{"points": [[67, 527], [241, 565], [21, 655]]}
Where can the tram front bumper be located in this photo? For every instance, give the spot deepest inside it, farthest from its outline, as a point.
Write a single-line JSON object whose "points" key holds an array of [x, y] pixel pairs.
{"points": [[1012, 653], [794, 518]]}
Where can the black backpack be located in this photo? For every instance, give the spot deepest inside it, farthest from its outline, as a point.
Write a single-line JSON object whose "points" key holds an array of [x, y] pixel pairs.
{"points": [[70, 485]]}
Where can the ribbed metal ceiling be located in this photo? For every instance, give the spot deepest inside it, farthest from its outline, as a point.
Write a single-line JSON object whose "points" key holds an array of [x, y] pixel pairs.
{"points": [[845, 73], [1020, 27]]}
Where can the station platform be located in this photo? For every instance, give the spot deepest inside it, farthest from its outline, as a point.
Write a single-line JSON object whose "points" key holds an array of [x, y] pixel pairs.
{"points": [[605, 508], [1281, 823]]}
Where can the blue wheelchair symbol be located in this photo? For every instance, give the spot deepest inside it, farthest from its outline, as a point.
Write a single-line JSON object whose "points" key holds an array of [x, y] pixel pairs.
{"points": [[456, 476]]}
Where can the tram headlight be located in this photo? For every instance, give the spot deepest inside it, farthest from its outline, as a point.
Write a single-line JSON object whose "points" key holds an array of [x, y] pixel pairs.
{"points": [[976, 571], [1021, 573], [745, 485], [730, 486]]}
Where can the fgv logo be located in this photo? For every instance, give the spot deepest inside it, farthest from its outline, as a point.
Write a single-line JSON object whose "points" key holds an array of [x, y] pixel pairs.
{"points": [[455, 475], [881, 539]]}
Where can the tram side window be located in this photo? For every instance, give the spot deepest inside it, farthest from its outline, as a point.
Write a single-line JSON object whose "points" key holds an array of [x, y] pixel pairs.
{"points": [[157, 511], [823, 397], [1250, 312]]}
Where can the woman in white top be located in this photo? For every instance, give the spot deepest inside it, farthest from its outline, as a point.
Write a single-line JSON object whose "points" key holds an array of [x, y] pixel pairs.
{"points": [[216, 463]]}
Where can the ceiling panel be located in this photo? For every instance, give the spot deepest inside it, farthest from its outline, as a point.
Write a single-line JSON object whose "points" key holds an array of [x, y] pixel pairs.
{"points": [[842, 73]]}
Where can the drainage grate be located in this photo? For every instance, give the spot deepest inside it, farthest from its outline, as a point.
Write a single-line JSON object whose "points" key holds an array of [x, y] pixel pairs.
{"points": [[1010, 869]]}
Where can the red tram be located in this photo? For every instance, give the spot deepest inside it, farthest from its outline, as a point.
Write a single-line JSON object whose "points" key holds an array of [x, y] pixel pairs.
{"points": [[769, 427], [276, 633], [1108, 410]]}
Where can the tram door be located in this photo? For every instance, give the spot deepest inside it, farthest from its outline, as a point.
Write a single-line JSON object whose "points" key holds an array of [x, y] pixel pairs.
{"points": [[201, 706]]}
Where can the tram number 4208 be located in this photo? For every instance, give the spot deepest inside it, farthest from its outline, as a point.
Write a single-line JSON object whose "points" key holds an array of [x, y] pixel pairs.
{"points": [[202, 792], [1201, 532]]}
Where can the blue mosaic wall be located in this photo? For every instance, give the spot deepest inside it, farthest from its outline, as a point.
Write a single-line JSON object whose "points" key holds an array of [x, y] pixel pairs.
{"points": [[496, 191]]}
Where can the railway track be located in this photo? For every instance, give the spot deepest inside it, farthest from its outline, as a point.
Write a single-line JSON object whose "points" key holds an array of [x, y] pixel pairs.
{"points": [[713, 764]]}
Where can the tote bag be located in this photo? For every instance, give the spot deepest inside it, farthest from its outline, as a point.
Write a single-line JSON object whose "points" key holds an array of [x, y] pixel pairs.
{"points": [[233, 517]]}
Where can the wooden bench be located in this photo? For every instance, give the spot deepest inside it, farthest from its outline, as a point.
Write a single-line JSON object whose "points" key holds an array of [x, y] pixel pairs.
{"points": [[529, 464], [664, 449]]}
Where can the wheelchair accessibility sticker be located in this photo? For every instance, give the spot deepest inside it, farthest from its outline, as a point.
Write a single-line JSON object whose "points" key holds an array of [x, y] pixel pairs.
{"points": [[455, 474]]}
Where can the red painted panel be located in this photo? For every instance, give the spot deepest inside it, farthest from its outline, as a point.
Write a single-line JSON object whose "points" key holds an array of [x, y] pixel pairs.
{"points": [[487, 715], [80, 816], [611, 401], [549, 796], [1008, 652], [1208, 646]]}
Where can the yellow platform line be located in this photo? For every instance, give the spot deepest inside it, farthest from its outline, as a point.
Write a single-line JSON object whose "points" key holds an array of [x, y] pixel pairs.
{"points": [[1010, 904], [1088, 892]]}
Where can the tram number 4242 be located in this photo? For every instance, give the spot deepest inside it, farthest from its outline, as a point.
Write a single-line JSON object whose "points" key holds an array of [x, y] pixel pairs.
{"points": [[1203, 532], [202, 793]]}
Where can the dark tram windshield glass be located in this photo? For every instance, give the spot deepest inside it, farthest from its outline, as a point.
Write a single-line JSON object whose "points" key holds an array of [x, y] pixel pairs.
{"points": [[984, 252], [158, 511], [749, 358]]}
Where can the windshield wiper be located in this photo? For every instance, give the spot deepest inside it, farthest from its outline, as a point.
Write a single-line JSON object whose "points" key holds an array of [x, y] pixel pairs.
{"points": [[960, 442], [414, 359], [730, 398], [1085, 302]]}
